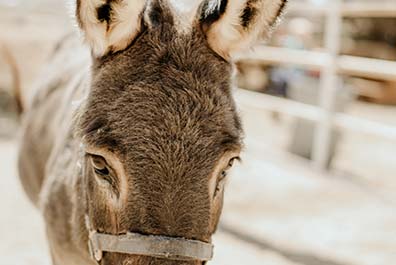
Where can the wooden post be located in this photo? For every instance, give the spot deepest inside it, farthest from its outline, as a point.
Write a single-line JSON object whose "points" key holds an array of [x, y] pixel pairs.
{"points": [[328, 86]]}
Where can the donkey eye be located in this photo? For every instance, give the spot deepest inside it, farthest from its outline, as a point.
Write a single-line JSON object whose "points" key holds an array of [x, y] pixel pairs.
{"points": [[223, 175], [102, 172], [229, 166], [231, 163], [100, 166]]}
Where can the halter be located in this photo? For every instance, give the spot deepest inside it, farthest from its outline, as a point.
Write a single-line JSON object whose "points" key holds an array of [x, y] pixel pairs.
{"points": [[165, 247]]}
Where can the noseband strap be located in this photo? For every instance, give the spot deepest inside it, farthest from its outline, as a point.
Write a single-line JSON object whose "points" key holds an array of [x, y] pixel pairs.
{"points": [[154, 246], [149, 245]]}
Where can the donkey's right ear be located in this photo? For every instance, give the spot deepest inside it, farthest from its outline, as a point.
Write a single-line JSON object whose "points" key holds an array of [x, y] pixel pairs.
{"points": [[109, 25]]}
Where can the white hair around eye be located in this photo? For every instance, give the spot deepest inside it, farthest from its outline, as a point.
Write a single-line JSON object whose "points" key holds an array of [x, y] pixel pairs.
{"points": [[103, 158]]}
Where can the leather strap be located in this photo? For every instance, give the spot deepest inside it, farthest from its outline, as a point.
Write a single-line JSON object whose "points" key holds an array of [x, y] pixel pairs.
{"points": [[149, 245]]}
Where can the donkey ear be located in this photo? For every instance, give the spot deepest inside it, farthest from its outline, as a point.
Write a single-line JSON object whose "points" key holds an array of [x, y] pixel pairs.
{"points": [[234, 25], [109, 25]]}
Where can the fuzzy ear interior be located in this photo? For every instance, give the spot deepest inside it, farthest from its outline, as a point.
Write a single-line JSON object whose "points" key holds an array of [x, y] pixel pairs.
{"points": [[234, 25], [109, 25]]}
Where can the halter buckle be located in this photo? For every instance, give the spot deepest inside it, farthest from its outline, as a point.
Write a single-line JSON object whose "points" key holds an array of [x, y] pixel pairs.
{"points": [[93, 245]]}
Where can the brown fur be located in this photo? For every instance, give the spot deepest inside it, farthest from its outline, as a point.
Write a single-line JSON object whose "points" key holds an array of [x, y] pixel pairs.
{"points": [[162, 109]]}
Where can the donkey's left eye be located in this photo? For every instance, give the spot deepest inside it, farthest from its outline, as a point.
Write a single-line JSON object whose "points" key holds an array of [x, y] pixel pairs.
{"points": [[231, 162], [223, 175], [229, 166]]}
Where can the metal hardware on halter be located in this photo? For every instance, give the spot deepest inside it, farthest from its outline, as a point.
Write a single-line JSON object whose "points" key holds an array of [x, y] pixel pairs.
{"points": [[148, 245]]}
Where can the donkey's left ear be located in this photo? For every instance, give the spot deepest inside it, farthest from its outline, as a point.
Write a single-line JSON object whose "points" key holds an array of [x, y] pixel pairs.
{"points": [[109, 25], [234, 25]]}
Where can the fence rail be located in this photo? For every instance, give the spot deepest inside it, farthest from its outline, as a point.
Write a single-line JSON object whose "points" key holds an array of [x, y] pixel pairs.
{"points": [[292, 108], [348, 65], [352, 9]]}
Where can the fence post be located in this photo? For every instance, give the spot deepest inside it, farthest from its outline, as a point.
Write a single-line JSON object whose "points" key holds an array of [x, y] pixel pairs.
{"points": [[328, 85]]}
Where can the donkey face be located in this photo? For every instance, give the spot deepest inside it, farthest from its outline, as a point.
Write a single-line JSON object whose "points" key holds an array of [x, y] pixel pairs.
{"points": [[160, 126]]}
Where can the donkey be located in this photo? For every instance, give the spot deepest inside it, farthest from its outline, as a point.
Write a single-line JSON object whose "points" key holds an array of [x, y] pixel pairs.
{"points": [[126, 148]]}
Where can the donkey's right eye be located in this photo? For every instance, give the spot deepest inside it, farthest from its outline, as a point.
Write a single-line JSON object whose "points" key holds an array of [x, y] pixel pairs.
{"points": [[102, 172], [100, 166]]}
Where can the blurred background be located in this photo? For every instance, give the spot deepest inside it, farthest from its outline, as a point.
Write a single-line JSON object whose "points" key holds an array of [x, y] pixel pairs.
{"points": [[318, 102]]}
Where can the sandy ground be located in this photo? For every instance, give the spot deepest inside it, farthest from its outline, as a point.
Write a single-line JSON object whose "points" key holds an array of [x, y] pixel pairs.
{"points": [[22, 239]]}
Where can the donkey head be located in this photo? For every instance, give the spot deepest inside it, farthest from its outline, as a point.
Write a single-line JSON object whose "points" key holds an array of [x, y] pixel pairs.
{"points": [[159, 126]]}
